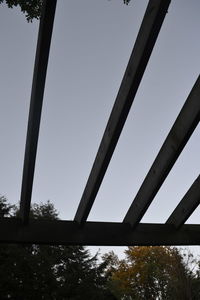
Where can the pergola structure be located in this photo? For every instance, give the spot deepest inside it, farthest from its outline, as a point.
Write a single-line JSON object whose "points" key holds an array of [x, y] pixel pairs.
{"points": [[130, 231]]}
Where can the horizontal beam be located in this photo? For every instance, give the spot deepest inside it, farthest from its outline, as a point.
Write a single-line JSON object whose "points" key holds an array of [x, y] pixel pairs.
{"points": [[176, 140], [39, 77], [150, 27], [96, 233], [187, 205]]}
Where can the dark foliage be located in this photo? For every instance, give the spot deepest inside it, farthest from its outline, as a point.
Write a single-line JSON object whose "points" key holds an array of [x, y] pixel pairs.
{"points": [[126, 2], [31, 8], [30, 272]]}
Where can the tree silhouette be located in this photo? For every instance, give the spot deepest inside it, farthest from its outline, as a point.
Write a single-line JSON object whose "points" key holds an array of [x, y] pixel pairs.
{"points": [[30, 271], [31, 8]]}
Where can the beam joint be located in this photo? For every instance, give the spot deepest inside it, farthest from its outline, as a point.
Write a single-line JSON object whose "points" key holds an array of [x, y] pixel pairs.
{"points": [[186, 206]]}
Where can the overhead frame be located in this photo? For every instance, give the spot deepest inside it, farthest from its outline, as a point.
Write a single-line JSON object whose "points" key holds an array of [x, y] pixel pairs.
{"points": [[150, 27], [187, 205], [37, 93], [130, 231], [96, 233], [176, 140]]}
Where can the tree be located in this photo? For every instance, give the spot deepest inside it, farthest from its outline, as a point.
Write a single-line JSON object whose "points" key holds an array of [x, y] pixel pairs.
{"points": [[126, 2], [31, 8], [153, 273], [49, 272], [5, 208]]}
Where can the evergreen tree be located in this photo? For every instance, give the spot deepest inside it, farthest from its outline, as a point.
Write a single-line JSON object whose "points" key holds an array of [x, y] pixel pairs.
{"points": [[30, 272]]}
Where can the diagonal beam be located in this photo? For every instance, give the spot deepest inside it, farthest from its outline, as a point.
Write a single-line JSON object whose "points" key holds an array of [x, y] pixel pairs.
{"points": [[150, 27], [96, 233], [177, 138], [187, 205], [39, 76]]}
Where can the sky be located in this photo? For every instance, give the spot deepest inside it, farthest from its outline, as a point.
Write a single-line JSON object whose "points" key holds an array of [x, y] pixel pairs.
{"points": [[91, 44]]}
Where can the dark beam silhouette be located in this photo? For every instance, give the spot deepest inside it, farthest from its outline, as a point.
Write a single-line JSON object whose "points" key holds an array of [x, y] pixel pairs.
{"points": [[150, 27], [96, 233], [39, 76], [187, 205], [176, 140]]}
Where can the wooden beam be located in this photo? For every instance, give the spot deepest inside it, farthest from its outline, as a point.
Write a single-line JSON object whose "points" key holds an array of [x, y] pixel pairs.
{"points": [[187, 205], [150, 27], [39, 77], [177, 138], [96, 233]]}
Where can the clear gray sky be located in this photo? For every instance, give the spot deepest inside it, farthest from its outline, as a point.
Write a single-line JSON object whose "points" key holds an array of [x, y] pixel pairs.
{"points": [[91, 45]]}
